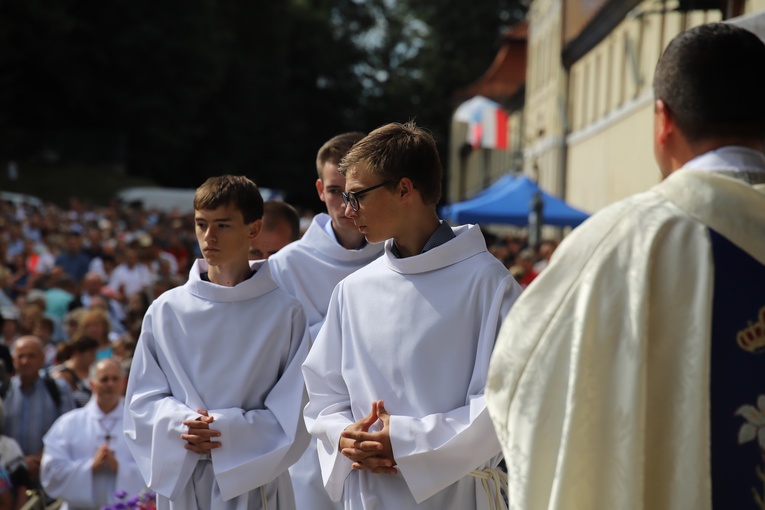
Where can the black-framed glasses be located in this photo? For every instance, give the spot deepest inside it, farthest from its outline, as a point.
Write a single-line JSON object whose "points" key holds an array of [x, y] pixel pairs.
{"points": [[352, 197]]}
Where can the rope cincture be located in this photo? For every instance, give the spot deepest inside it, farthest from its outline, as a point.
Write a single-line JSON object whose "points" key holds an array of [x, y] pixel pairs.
{"points": [[263, 499], [499, 478]]}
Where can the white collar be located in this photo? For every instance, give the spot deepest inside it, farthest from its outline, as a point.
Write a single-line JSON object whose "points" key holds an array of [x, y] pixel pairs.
{"points": [[730, 158]]}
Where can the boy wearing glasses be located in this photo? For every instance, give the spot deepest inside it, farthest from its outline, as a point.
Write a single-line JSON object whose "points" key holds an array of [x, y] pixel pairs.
{"points": [[215, 393], [397, 372], [331, 249]]}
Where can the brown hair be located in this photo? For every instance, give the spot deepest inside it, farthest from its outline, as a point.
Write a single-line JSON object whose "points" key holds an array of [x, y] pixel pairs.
{"points": [[230, 189], [395, 151], [275, 212], [335, 149]]}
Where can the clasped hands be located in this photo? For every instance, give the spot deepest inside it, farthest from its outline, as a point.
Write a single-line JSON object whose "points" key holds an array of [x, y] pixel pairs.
{"points": [[199, 437], [105, 459], [370, 451]]}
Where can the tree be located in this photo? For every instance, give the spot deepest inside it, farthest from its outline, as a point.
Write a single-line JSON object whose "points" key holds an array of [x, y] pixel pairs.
{"points": [[182, 93]]}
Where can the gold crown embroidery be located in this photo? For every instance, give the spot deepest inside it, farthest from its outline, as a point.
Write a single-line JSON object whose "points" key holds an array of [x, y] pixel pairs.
{"points": [[752, 338]]}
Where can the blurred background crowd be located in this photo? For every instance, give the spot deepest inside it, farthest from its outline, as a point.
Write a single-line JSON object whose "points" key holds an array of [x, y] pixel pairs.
{"points": [[93, 271]]}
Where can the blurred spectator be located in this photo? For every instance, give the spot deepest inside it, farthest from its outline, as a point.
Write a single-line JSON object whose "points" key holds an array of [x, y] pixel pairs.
{"points": [[12, 460], [31, 312], [43, 329], [5, 299], [131, 276], [159, 257], [20, 279], [14, 240], [525, 261], [281, 226], [10, 328], [72, 322], [76, 369], [74, 261], [49, 397], [94, 323], [180, 251], [93, 289], [59, 295], [38, 260], [137, 306], [546, 249], [122, 352]]}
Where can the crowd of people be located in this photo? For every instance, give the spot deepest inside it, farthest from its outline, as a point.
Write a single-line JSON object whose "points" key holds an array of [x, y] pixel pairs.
{"points": [[80, 280], [377, 357]]}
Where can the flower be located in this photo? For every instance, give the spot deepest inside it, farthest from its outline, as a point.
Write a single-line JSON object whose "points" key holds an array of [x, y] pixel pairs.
{"points": [[755, 422], [146, 500]]}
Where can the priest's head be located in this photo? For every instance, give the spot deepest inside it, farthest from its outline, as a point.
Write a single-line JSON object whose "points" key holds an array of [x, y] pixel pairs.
{"points": [[393, 182], [708, 94]]}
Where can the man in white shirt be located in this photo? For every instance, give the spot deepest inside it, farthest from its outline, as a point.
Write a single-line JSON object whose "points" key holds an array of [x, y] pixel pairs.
{"points": [[631, 374], [85, 455], [131, 276], [396, 376], [331, 249], [215, 391]]}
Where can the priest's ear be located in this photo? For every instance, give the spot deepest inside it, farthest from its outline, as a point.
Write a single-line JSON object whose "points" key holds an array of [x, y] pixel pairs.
{"points": [[664, 122], [255, 227]]}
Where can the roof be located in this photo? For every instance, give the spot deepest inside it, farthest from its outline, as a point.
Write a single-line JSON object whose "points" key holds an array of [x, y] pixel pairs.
{"points": [[507, 73]]}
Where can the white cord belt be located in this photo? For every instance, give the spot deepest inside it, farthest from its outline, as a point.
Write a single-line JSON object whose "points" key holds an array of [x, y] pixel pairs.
{"points": [[500, 482]]}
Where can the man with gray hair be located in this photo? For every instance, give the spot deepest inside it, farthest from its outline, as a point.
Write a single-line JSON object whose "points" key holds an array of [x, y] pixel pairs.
{"points": [[33, 402]]}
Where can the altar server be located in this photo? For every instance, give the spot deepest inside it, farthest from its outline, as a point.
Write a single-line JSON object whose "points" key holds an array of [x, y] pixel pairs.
{"points": [[85, 458], [631, 374], [215, 391], [331, 249], [397, 374]]}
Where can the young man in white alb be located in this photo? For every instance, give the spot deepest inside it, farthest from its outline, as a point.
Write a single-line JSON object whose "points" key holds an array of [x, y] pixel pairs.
{"points": [[331, 249], [397, 373], [215, 394]]}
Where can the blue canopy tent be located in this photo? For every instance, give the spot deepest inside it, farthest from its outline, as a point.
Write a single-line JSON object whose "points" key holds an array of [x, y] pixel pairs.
{"points": [[508, 202]]}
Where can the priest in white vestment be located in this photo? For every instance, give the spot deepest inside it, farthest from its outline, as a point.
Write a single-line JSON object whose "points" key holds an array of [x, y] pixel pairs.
{"points": [[630, 374], [331, 249], [397, 374], [215, 392], [85, 456]]}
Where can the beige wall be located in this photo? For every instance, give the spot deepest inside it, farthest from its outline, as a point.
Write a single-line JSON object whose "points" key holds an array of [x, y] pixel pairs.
{"points": [[545, 109], [610, 108]]}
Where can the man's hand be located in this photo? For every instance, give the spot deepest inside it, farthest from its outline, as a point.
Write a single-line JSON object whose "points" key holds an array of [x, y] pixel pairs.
{"points": [[370, 451], [104, 459], [199, 438], [33, 465]]}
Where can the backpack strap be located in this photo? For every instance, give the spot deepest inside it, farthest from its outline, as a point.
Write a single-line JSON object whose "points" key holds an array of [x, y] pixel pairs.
{"points": [[53, 391]]}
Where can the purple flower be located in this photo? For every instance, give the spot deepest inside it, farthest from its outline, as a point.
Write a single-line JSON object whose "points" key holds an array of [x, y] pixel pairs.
{"points": [[133, 502], [120, 494]]}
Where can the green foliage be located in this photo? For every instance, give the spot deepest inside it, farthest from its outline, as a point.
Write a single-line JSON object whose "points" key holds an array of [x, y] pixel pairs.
{"points": [[181, 91]]}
